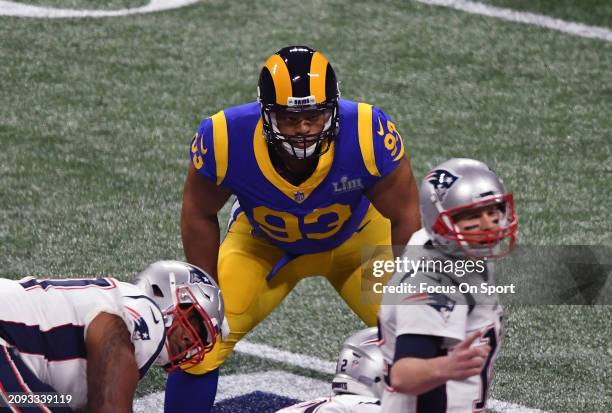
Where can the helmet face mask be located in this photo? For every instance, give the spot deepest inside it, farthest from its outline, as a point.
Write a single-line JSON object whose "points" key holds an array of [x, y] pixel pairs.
{"points": [[192, 307], [192, 325], [460, 188], [298, 80], [300, 146], [491, 243]]}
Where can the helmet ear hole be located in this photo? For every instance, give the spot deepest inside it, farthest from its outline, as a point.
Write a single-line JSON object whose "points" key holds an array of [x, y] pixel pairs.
{"points": [[157, 291]]}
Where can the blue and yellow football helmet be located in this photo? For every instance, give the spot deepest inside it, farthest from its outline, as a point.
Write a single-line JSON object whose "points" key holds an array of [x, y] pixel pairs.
{"points": [[298, 79]]}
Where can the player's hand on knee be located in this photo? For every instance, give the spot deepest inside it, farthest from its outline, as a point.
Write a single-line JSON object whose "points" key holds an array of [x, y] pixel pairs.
{"points": [[466, 360]]}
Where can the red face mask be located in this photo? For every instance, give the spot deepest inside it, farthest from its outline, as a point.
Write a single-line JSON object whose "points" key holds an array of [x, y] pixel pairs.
{"points": [[196, 332], [490, 243]]}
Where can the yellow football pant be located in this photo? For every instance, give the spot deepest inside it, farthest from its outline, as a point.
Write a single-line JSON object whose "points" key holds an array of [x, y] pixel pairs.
{"points": [[245, 261]]}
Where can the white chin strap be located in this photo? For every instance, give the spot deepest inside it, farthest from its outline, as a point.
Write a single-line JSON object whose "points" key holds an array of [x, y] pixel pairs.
{"points": [[299, 152]]}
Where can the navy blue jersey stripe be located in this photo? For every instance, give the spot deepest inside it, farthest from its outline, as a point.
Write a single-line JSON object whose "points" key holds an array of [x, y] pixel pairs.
{"points": [[63, 342], [100, 282], [8, 377], [16, 377], [418, 346], [434, 401]]}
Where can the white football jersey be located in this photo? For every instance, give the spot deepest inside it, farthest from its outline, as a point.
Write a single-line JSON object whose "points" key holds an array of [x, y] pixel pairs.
{"points": [[450, 315], [341, 403], [46, 322], [419, 237]]}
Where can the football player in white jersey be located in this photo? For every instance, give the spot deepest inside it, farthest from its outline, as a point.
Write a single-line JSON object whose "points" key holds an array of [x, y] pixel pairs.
{"points": [[440, 345], [358, 382], [90, 341]]}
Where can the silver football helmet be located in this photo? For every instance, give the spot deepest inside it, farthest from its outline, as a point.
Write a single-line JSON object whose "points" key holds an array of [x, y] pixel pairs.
{"points": [[360, 365], [455, 187], [186, 295]]}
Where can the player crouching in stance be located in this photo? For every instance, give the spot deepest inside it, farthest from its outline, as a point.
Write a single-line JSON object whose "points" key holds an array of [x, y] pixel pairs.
{"points": [[439, 347], [83, 344], [358, 383]]}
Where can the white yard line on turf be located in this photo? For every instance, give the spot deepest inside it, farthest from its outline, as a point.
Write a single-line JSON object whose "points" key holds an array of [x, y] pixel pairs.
{"points": [[503, 407], [577, 29], [274, 354], [11, 8], [292, 388]]}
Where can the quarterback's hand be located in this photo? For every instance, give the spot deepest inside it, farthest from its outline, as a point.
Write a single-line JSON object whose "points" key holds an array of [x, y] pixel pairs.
{"points": [[464, 360]]}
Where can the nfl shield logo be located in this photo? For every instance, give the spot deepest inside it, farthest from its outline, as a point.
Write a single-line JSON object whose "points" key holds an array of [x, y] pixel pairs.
{"points": [[298, 196]]}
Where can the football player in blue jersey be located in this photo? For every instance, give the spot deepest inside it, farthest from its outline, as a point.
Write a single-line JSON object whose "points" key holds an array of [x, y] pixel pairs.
{"points": [[316, 178]]}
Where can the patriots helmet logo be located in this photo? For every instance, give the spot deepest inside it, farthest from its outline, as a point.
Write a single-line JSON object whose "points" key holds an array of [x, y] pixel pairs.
{"points": [[198, 276], [441, 180], [442, 303], [141, 330]]}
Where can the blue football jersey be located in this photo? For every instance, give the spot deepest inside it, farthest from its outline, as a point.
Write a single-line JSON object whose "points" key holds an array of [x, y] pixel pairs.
{"points": [[320, 213]]}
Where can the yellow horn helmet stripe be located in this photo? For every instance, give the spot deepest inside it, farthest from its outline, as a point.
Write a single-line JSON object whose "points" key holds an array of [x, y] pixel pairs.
{"points": [[318, 72], [280, 78]]}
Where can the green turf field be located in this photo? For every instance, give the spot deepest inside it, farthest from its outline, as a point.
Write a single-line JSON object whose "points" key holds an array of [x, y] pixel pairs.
{"points": [[96, 116]]}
